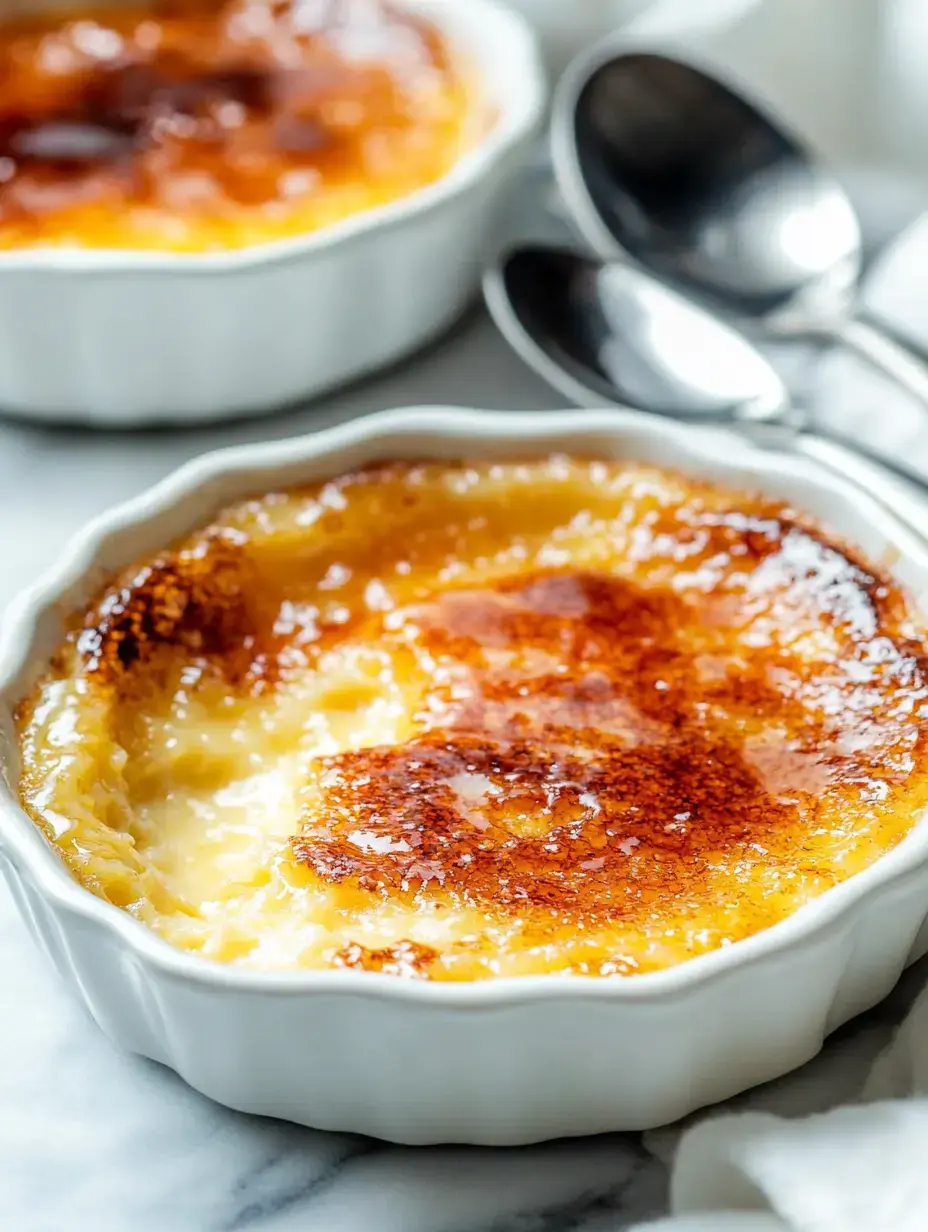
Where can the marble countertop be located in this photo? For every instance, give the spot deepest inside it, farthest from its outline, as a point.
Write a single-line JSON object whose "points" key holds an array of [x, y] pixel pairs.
{"points": [[91, 1138]]}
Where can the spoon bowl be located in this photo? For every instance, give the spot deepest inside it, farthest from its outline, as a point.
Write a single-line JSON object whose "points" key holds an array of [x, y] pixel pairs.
{"points": [[660, 161], [671, 166], [612, 332]]}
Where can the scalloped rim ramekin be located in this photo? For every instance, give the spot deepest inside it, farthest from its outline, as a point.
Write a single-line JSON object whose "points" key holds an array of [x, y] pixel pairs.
{"points": [[503, 1061], [117, 338]]}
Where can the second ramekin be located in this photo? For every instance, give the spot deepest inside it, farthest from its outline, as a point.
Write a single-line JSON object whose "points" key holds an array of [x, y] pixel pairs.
{"points": [[499, 1062], [114, 338]]}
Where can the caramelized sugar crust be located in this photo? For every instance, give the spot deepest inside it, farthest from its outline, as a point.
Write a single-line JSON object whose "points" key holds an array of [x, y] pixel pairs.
{"points": [[217, 123], [557, 716]]}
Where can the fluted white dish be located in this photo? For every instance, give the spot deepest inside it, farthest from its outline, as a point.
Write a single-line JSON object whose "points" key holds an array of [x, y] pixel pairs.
{"points": [[124, 338], [503, 1061]]}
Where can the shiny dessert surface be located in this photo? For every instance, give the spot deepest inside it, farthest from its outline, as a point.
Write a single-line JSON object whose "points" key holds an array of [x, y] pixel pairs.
{"points": [[461, 721], [201, 125]]}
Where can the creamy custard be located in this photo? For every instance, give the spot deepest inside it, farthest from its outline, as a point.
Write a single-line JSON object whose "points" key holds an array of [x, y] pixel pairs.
{"points": [[460, 721], [214, 124]]}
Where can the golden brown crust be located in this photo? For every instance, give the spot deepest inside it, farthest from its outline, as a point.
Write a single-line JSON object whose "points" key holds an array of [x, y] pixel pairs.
{"points": [[187, 604], [641, 729], [405, 958], [613, 741], [200, 109]]}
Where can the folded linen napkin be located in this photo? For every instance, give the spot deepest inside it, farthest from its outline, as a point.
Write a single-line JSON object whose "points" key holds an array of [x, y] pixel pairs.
{"points": [[853, 1169], [843, 1145]]}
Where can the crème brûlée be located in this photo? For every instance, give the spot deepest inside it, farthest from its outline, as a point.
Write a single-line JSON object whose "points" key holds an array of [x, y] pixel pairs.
{"points": [[461, 721], [216, 124]]}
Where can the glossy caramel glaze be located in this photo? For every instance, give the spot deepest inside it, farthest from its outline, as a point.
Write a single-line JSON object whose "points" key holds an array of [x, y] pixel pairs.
{"points": [[218, 123], [457, 721]]}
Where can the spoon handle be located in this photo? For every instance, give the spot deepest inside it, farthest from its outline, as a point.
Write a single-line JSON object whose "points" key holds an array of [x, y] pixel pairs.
{"points": [[886, 354], [896, 488]]}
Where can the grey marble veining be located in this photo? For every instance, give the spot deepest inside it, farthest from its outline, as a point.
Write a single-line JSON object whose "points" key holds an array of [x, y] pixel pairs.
{"points": [[94, 1139], [91, 1138]]}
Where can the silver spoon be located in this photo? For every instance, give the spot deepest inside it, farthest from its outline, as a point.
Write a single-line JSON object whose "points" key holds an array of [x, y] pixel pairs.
{"points": [[612, 334], [657, 158]]}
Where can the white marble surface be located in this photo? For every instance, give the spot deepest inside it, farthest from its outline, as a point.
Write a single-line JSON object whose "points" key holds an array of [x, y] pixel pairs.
{"points": [[91, 1138], [94, 1139]]}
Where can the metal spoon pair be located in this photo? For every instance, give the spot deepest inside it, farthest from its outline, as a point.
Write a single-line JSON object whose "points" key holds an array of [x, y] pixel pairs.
{"points": [[661, 161], [604, 333]]}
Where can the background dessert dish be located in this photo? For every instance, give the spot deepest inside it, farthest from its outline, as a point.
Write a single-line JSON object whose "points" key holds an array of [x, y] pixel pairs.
{"points": [[221, 123], [321, 284]]}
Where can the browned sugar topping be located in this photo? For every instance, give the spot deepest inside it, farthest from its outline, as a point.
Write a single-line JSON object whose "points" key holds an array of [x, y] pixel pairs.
{"points": [[588, 745]]}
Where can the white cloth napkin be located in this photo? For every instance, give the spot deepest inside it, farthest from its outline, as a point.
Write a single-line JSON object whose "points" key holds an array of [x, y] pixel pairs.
{"points": [[854, 397], [843, 1145]]}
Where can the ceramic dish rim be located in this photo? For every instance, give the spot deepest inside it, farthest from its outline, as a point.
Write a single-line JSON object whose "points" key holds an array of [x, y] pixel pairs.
{"points": [[510, 126], [22, 841]]}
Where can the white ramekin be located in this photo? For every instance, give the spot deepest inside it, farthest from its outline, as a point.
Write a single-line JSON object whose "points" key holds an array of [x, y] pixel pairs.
{"points": [[117, 338], [508, 1061]]}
